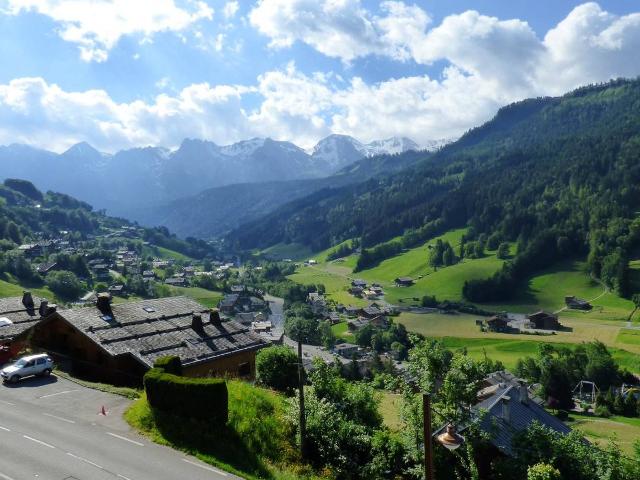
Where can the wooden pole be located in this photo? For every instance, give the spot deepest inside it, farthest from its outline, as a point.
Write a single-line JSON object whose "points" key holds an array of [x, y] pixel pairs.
{"points": [[428, 444], [303, 420]]}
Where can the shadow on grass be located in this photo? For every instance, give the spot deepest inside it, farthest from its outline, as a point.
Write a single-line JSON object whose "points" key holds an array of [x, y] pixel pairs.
{"points": [[222, 443]]}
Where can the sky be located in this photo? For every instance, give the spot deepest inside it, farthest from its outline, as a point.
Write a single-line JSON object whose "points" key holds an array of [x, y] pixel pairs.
{"points": [[129, 73]]}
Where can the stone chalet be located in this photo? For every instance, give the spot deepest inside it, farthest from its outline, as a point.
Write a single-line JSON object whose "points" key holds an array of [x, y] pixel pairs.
{"points": [[346, 350], [119, 343]]}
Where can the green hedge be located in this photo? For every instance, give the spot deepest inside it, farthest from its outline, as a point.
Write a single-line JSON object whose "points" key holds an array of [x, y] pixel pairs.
{"points": [[204, 399], [170, 364]]}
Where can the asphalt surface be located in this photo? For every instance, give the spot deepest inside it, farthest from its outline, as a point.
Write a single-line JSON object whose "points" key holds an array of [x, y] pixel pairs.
{"points": [[53, 429]]}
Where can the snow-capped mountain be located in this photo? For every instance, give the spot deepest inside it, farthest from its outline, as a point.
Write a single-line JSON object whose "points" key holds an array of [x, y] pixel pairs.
{"points": [[154, 176]]}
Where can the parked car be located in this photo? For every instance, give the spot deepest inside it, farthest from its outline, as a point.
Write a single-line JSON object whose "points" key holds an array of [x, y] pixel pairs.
{"points": [[40, 365]]}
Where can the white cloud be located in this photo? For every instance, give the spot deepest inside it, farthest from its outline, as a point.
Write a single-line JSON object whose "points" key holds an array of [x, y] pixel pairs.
{"points": [[491, 62], [97, 25], [230, 9]]}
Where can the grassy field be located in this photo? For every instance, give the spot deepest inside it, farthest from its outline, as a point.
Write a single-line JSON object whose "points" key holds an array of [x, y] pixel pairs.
{"points": [[624, 431], [460, 331], [341, 330], [294, 251], [9, 289], [208, 298], [162, 252], [390, 410]]}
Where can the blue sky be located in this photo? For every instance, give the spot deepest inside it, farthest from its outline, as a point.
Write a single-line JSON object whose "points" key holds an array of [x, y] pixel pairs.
{"points": [[120, 74]]}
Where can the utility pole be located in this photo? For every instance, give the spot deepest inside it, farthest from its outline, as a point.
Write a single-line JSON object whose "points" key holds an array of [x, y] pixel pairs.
{"points": [[428, 444], [303, 420]]}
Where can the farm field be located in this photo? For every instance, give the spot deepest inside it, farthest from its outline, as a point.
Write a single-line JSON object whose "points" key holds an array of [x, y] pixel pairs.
{"points": [[624, 431]]}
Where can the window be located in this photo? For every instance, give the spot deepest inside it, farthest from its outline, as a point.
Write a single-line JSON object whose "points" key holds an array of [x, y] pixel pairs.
{"points": [[40, 361], [148, 309]]}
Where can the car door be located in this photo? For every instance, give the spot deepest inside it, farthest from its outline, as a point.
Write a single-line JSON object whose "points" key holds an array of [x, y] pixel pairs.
{"points": [[40, 365], [28, 369]]}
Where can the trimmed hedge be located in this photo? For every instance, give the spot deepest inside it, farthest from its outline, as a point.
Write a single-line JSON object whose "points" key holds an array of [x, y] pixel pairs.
{"points": [[204, 399], [170, 364]]}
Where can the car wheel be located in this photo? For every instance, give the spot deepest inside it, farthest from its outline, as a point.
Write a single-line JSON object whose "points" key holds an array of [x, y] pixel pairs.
{"points": [[46, 372], [14, 378]]}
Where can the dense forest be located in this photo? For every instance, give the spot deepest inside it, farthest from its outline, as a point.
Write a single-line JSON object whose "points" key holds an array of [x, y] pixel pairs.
{"points": [[559, 176]]}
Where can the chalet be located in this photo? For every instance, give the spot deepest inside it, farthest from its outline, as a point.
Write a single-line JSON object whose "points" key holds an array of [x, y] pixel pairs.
{"points": [[30, 250], [189, 271], [352, 311], [359, 283], [237, 289], [261, 327], [176, 281], [356, 291], [119, 343], [403, 281], [577, 303], [498, 323], [160, 263], [47, 267], [228, 304], [544, 321], [357, 323], [332, 317], [116, 289], [18, 315], [371, 311], [317, 302], [149, 275], [101, 271], [346, 350]]}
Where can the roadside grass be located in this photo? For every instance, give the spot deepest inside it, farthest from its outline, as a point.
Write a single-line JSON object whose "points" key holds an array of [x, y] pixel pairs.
{"points": [[247, 448], [127, 392], [208, 298], [624, 431]]}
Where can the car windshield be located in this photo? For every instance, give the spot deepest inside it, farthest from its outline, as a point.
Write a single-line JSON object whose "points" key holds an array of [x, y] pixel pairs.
{"points": [[20, 363]]}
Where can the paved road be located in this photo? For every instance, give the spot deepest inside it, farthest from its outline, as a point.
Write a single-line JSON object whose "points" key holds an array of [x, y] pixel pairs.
{"points": [[51, 429]]}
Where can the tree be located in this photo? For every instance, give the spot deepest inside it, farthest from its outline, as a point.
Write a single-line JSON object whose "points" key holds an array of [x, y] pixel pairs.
{"points": [[277, 368], [303, 330], [64, 284], [543, 471], [503, 251], [12, 232]]}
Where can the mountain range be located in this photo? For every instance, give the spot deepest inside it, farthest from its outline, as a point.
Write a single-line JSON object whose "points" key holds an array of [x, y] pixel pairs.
{"points": [[138, 179]]}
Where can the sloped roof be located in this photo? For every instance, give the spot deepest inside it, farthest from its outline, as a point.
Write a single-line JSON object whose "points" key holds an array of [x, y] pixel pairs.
{"points": [[149, 329], [22, 319], [521, 416]]}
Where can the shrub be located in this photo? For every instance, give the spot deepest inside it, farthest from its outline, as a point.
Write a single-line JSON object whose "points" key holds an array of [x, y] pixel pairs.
{"points": [[602, 411], [198, 398], [277, 368], [169, 363], [543, 471]]}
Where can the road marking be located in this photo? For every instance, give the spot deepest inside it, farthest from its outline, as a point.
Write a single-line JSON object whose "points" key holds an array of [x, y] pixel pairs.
{"points": [[82, 459], [204, 467], [122, 476], [125, 439], [5, 429], [57, 393], [38, 441], [7, 403], [5, 477], [59, 418]]}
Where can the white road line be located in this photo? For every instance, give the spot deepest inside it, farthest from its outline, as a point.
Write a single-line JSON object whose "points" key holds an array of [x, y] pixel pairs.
{"points": [[125, 439], [7, 403], [5, 477], [122, 476], [85, 460], [5, 429], [38, 441], [57, 393], [204, 467], [58, 418]]}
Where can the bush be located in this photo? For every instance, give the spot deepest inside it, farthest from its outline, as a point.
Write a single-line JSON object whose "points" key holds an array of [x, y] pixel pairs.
{"points": [[64, 284], [543, 471], [170, 364], [277, 368], [198, 398], [602, 411]]}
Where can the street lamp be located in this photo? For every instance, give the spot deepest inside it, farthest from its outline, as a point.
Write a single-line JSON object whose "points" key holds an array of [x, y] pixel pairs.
{"points": [[449, 439]]}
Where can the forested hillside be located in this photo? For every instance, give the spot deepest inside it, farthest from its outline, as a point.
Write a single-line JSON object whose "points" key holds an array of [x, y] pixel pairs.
{"points": [[559, 176]]}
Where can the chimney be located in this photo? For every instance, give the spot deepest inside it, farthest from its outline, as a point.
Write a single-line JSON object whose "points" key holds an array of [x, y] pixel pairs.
{"points": [[214, 318], [196, 324], [44, 305], [27, 300], [506, 409], [524, 394], [103, 302]]}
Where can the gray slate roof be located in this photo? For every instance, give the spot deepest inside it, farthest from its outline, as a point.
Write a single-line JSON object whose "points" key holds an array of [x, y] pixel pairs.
{"points": [[521, 416], [166, 330], [13, 309]]}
